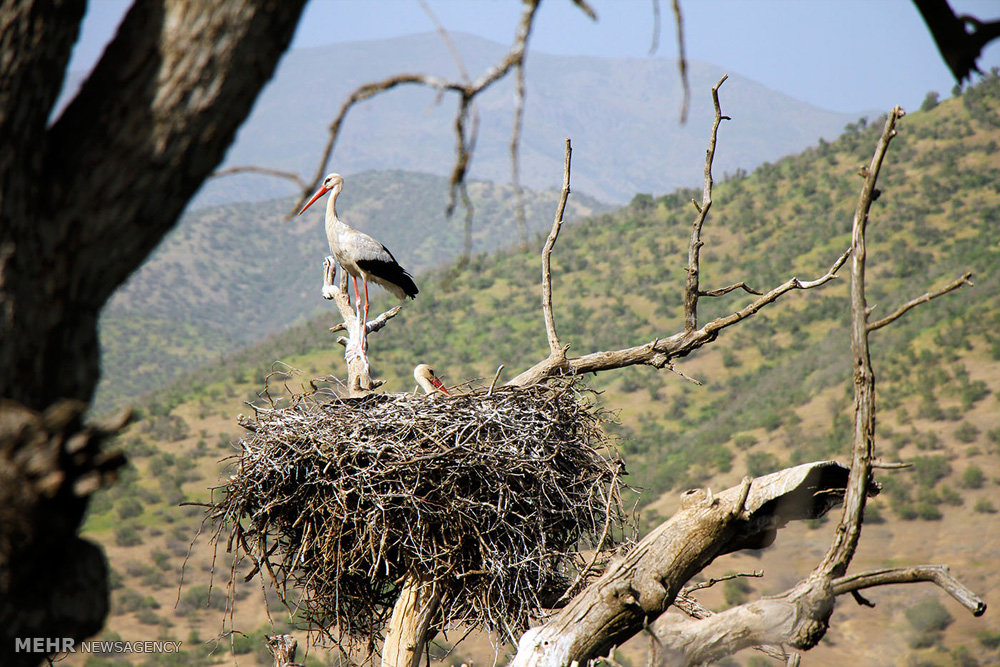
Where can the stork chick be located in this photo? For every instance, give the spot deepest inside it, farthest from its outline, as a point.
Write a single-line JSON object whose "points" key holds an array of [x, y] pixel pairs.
{"points": [[431, 384]]}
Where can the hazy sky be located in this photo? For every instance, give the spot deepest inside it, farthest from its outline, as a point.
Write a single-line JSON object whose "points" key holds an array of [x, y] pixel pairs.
{"points": [[845, 55]]}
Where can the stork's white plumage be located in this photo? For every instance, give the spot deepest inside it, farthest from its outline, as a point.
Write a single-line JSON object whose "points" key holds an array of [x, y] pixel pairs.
{"points": [[360, 255], [429, 382]]}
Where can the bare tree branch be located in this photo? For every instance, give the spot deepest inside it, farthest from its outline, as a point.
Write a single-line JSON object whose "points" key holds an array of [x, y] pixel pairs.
{"points": [[515, 155], [470, 212], [555, 347], [712, 581], [263, 171], [787, 618], [655, 43], [937, 574], [801, 615], [466, 140], [446, 38], [636, 590], [697, 610], [924, 298], [682, 61], [641, 585], [467, 91], [359, 381], [849, 530], [660, 351], [691, 291], [726, 290], [890, 465], [586, 9], [371, 326]]}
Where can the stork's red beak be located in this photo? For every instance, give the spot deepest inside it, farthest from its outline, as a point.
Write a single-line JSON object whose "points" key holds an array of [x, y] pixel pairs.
{"points": [[440, 385], [319, 193]]}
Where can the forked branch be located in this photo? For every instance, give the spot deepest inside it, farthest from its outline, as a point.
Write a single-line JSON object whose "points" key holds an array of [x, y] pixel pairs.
{"points": [[691, 289], [640, 586], [661, 351], [800, 616], [466, 89], [555, 348], [863, 450], [937, 574]]}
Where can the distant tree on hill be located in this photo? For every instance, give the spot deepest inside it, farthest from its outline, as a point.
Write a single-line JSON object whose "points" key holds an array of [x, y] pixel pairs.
{"points": [[930, 101]]}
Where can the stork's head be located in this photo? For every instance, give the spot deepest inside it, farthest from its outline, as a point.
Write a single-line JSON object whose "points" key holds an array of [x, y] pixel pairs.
{"points": [[424, 375], [333, 182]]}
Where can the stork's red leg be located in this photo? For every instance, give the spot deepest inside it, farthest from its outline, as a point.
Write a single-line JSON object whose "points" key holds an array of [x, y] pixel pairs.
{"points": [[357, 296], [366, 299]]}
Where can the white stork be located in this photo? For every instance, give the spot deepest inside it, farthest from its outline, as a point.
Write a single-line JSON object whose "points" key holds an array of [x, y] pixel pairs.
{"points": [[359, 254], [424, 375]]}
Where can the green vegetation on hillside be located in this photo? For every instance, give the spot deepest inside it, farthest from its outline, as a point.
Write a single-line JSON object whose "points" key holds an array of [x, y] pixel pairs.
{"points": [[776, 388], [618, 282]]}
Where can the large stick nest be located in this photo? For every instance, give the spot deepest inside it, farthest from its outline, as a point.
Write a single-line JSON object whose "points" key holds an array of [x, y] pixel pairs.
{"points": [[491, 494]]}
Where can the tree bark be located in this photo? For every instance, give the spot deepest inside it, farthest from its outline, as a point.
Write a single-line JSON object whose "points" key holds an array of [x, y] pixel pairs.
{"points": [[635, 590], [86, 201], [82, 204], [410, 623]]}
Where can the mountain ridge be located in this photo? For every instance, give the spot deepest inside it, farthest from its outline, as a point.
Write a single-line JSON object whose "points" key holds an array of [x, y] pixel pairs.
{"points": [[609, 106]]}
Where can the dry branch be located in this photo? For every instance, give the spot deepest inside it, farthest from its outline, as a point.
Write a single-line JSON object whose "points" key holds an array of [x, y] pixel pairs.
{"points": [[691, 290], [800, 616], [863, 450], [466, 90], [722, 291], [966, 279], [555, 348], [661, 351], [640, 586], [681, 60], [515, 154], [695, 609], [937, 574]]}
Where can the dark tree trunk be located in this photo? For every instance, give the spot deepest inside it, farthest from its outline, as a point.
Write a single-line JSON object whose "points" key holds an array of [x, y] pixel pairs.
{"points": [[82, 204]]}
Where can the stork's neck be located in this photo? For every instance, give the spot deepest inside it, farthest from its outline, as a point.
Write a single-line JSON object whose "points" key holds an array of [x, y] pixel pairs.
{"points": [[332, 221], [425, 384]]}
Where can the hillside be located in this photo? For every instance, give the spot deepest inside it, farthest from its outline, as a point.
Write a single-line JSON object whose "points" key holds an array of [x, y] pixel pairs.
{"points": [[228, 276], [776, 389]]}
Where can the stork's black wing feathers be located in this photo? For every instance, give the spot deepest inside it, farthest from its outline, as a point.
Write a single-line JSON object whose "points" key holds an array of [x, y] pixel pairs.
{"points": [[391, 272]]}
